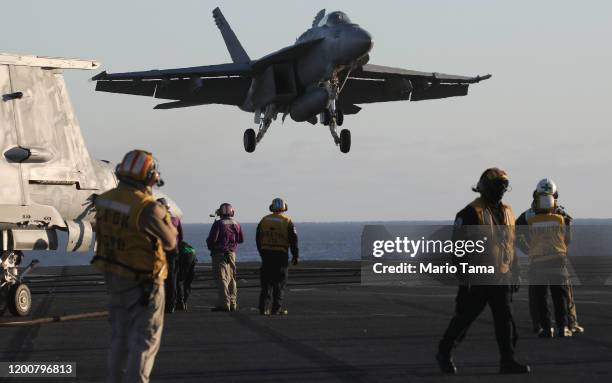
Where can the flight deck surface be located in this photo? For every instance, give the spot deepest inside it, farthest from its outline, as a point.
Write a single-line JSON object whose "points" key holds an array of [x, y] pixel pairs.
{"points": [[337, 331]]}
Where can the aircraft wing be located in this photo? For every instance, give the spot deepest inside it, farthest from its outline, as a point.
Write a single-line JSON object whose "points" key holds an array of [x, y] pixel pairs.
{"points": [[220, 70], [376, 83], [212, 84]]}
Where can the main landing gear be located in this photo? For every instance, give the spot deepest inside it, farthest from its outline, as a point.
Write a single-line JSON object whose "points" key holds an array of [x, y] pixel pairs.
{"points": [[250, 139], [14, 293], [333, 117]]}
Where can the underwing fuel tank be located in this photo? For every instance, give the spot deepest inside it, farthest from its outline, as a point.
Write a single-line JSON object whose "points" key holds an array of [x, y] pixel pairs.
{"points": [[49, 180]]}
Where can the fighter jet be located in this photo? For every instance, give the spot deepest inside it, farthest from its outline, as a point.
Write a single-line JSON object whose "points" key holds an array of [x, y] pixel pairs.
{"points": [[49, 180], [325, 74]]}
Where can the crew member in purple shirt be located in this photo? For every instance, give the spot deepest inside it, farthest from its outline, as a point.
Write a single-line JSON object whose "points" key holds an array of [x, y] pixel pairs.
{"points": [[223, 239]]}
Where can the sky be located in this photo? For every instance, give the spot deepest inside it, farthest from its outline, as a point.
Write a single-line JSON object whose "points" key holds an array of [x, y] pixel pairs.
{"points": [[544, 113]]}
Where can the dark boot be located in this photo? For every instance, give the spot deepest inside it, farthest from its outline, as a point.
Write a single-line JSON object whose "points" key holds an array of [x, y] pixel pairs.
{"points": [[280, 311], [446, 364], [546, 334], [513, 367]]}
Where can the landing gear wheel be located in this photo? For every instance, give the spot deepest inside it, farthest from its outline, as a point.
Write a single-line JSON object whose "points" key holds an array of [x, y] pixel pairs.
{"points": [[339, 117], [345, 140], [20, 300], [249, 140], [325, 117], [3, 300]]}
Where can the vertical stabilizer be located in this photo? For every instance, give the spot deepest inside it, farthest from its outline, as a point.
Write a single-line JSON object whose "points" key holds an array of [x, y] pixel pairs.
{"points": [[318, 18], [234, 47]]}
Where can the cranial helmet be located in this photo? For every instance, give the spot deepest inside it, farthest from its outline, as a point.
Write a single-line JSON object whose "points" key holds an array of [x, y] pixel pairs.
{"points": [[278, 205], [545, 196], [139, 166], [493, 183], [225, 210]]}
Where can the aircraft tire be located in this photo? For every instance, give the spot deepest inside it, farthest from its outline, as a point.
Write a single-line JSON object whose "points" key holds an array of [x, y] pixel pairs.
{"points": [[20, 300], [249, 140], [345, 140]]}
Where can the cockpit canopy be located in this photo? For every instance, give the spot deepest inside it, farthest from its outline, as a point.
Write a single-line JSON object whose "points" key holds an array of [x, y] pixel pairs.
{"points": [[333, 19]]}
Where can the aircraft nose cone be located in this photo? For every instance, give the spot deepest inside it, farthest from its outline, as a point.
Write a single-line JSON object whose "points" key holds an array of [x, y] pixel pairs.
{"points": [[352, 43], [363, 41], [360, 43]]}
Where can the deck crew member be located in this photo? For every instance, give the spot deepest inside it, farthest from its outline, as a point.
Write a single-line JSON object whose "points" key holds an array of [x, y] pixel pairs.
{"points": [[223, 239], [172, 257], [487, 216], [133, 231], [545, 239], [276, 234], [186, 274]]}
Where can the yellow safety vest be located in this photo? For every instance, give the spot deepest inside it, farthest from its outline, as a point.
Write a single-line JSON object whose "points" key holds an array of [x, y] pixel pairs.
{"points": [[500, 242], [122, 248], [546, 236], [274, 232]]}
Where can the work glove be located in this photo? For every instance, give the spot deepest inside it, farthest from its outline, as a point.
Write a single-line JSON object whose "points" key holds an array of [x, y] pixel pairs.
{"points": [[294, 260]]}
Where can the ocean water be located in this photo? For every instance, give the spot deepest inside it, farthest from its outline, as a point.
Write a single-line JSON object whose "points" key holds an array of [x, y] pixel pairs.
{"points": [[326, 241]]}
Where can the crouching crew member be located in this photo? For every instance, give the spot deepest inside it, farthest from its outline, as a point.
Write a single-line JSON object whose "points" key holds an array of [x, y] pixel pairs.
{"points": [[486, 216], [275, 236], [545, 240], [223, 239], [132, 232]]}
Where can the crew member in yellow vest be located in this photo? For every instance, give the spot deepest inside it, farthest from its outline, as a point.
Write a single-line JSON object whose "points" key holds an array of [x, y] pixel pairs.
{"points": [[544, 235], [275, 236], [486, 216], [132, 232]]}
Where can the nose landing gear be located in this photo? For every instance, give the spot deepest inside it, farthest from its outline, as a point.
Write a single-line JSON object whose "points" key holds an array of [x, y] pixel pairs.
{"points": [[14, 293], [334, 117]]}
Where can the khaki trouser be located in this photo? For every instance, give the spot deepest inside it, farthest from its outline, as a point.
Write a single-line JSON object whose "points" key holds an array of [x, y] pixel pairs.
{"points": [[136, 329], [572, 316], [224, 272]]}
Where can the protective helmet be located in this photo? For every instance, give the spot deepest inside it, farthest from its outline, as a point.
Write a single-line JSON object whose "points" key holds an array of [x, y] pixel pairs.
{"points": [[140, 166], [225, 210], [493, 183], [546, 186], [278, 205], [545, 196]]}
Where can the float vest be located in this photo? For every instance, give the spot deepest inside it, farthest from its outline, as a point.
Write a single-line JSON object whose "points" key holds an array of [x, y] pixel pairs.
{"points": [[546, 236], [274, 231], [501, 236], [122, 248]]}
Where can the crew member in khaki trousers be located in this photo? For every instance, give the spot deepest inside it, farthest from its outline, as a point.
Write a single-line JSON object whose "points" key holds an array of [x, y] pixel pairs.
{"points": [[223, 239], [133, 231]]}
